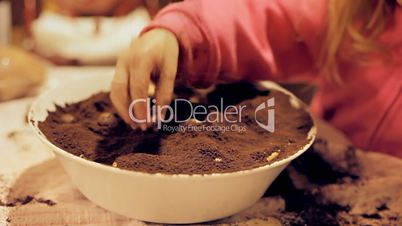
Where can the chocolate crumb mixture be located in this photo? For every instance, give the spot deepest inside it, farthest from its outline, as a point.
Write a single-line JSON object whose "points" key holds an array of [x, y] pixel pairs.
{"points": [[93, 130]]}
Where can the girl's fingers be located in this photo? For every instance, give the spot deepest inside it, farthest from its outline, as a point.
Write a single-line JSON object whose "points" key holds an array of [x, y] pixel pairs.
{"points": [[140, 77], [119, 91], [164, 92], [156, 49], [165, 85]]}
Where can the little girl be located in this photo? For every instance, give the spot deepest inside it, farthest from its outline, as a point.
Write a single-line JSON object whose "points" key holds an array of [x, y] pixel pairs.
{"points": [[351, 49]]}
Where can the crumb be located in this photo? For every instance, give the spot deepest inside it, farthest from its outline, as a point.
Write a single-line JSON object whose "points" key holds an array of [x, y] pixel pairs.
{"points": [[46, 201], [272, 156], [67, 118], [107, 119]]}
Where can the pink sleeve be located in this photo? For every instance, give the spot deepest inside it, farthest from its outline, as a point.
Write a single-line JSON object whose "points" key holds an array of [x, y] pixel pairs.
{"points": [[234, 40]]}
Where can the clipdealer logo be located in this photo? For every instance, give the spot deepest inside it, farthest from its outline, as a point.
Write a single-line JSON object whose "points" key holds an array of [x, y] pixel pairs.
{"points": [[231, 114], [270, 126]]}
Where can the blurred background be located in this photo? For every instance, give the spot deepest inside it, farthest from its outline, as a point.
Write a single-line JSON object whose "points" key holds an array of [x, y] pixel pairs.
{"points": [[74, 32], [36, 35], [47, 43]]}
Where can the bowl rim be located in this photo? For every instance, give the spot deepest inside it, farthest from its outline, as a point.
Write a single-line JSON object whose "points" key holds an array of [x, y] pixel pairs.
{"points": [[311, 135]]}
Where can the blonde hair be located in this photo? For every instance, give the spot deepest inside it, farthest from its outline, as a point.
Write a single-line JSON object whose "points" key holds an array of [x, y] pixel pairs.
{"points": [[358, 21]]}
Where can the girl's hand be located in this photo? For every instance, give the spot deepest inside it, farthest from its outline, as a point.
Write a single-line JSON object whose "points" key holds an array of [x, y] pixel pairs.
{"points": [[154, 55]]}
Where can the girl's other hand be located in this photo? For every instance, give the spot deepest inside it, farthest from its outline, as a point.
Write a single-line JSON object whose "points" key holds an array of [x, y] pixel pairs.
{"points": [[152, 56]]}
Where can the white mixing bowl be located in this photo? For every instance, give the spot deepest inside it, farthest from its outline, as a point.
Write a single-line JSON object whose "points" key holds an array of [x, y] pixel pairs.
{"points": [[156, 197]]}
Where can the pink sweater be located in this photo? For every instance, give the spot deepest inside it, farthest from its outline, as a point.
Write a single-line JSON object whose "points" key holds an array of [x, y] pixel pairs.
{"points": [[279, 40]]}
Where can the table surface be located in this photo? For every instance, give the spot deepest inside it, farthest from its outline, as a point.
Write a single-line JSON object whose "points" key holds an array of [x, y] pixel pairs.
{"points": [[28, 169], [16, 151], [19, 148]]}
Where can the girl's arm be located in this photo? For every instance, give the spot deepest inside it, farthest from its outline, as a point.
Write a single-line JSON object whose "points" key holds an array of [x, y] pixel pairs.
{"points": [[233, 40], [211, 40]]}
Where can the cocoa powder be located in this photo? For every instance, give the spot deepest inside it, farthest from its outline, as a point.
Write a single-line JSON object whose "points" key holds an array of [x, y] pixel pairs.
{"points": [[93, 130]]}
